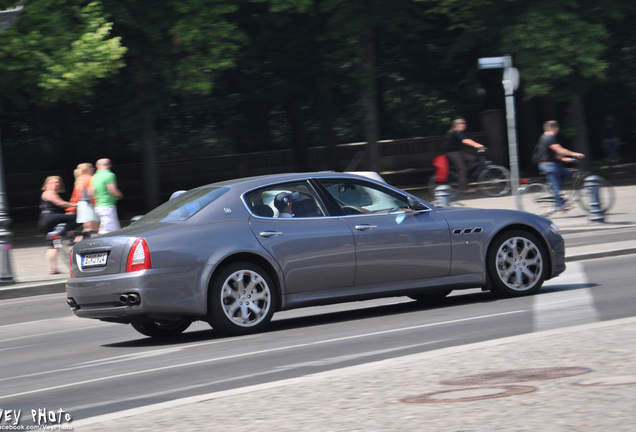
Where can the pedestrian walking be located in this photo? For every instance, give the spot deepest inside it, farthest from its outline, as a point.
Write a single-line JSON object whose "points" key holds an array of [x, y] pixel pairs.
{"points": [[83, 196], [106, 195], [611, 139], [53, 213], [550, 156]]}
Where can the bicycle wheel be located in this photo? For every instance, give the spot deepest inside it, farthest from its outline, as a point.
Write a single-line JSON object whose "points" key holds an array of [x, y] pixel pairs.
{"points": [[537, 198], [453, 182], [606, 196], [494, 181]]}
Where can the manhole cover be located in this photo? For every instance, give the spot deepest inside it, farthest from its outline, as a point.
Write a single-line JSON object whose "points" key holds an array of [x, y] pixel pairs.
{"points": [[520, 375], [469, 394], [609, 381]]}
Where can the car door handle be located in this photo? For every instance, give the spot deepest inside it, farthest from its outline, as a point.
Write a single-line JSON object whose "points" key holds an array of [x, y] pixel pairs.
{"points": [[270, 233], [365, 227]]}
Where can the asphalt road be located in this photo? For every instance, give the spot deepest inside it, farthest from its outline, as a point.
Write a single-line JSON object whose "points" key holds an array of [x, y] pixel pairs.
{"points": [[53, 360]]}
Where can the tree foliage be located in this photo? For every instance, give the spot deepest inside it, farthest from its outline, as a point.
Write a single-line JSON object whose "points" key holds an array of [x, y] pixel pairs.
{"points": [[189, 78], [58, 51]]}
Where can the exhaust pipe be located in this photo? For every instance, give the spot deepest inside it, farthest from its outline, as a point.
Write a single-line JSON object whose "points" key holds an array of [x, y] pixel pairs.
{"points": [[130, 299]]}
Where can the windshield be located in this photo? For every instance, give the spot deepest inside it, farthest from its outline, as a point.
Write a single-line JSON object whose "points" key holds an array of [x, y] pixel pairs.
{"points": [[184, 206]]}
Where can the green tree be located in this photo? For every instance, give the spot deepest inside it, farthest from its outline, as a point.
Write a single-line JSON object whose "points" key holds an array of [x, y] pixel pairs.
{"points": [[57, 52]]}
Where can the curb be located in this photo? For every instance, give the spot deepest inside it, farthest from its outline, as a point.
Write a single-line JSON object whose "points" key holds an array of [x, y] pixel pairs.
{"points": [[32, 289]]}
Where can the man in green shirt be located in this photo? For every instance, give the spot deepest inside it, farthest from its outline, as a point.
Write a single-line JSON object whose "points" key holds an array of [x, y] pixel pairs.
{"points": [[106, 195]]}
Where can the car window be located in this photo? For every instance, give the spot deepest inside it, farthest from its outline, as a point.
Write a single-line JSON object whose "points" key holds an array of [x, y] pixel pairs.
{"points": [[184, 206], [286, 200], [359, 197]]}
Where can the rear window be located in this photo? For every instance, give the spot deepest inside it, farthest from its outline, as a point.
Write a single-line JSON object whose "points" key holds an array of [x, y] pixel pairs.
{"points": [[184, 206]]}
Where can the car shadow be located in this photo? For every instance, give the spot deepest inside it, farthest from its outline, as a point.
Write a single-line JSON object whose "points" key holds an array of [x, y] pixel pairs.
{"points": [[320, 319], [283, 324]]}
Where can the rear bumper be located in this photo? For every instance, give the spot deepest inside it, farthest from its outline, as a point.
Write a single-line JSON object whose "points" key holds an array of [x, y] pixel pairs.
{"points": [[171, 291]]}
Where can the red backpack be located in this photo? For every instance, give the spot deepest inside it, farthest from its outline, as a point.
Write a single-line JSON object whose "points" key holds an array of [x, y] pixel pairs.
{"points": [[442, 168]]}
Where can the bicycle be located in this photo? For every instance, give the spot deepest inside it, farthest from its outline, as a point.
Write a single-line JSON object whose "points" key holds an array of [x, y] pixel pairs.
{"points": [[64, 241], [538, 198], [492, 180]]}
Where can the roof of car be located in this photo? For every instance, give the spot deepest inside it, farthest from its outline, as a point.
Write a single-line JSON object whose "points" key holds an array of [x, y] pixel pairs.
{"points": [[249, 182]]}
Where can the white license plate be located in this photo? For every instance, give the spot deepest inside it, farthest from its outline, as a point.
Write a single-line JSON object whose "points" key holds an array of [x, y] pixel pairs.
{"points": [[94, 260]]}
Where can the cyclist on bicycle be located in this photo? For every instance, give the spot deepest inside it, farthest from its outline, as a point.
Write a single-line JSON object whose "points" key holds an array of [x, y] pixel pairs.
{"points": [[462, 161], [551, 155]]}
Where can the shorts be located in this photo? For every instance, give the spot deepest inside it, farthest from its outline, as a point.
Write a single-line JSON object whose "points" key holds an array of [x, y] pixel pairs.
{"points": [[108, 219]]}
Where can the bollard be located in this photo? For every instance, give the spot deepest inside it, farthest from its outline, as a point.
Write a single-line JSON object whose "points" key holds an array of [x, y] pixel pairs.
{"points": [[443, 195], [591, 185]]}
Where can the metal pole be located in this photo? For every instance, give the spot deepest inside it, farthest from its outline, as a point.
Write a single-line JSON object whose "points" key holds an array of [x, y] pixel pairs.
{"points": [[5, 235], [7, 18], [509, 88]]}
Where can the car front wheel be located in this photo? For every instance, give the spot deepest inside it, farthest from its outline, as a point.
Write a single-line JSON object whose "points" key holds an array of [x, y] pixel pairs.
{"points": [[162, 329], [517, 264], [242, 299]]}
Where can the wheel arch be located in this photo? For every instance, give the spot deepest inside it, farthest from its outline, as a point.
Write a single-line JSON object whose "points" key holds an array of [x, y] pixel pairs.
{"points": [[252, 258], [531, 230]]}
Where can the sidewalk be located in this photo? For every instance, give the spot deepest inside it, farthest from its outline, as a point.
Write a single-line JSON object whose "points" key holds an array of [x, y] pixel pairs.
{"points": [[31, 277], [567, 380]]}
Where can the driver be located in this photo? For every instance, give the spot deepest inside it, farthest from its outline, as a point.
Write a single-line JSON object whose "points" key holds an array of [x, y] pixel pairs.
{"points": [[283, 202]]}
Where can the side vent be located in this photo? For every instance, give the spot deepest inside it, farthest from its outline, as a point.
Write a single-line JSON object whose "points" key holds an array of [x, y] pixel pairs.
{"points": [[468, 230], [477, 230], [457, 231]]}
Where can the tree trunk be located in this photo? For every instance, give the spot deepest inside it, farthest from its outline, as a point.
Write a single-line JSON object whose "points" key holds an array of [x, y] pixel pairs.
{"points": [[147, 135], [369, 97], [576, 116], [325, 107], [148, 158], [297, 131]]}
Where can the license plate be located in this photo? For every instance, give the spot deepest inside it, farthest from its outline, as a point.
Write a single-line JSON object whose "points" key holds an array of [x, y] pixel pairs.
{"points": [[94, 260]]}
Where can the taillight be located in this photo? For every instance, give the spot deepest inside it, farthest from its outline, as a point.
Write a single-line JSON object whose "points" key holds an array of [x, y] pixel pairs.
{"points": [[138, 257], [70, 262]]}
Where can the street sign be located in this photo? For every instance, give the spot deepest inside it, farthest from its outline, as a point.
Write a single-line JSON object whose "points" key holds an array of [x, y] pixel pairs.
{"points": [[491, 63], [9, 16], [512, 74]]}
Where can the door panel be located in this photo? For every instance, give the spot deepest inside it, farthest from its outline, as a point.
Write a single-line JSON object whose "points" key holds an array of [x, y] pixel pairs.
{"points": [[314, 254], [400, 246], [393, 242]]}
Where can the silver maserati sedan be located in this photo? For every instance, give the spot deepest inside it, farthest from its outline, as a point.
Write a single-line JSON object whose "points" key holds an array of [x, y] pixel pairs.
{"points": [[235, 252]]}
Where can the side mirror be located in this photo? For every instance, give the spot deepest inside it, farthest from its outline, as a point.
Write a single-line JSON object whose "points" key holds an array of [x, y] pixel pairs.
{"points": [[415, 204]]}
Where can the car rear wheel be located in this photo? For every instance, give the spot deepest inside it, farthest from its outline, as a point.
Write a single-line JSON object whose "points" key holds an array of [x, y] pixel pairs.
{"points": [[162, 329], [242, 299], [429, 297], [517, 264]]}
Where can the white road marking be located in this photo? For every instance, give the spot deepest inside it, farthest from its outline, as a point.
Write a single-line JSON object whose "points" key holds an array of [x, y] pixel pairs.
{"points": [[247, 354], [49, 333], [241, 377], [570, 307], [118, 359]]}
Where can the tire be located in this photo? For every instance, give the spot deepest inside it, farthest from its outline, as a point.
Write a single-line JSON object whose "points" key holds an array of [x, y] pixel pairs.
{"points": [[162, 329], [494, 181], [606, 196], [453, 182], [242, 299], [430, 297], [537, 198], [517, 264]]}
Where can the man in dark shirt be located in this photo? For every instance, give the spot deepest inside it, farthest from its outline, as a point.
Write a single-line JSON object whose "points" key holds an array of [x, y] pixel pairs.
{"points": [[461, 161], [551, 154]]}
